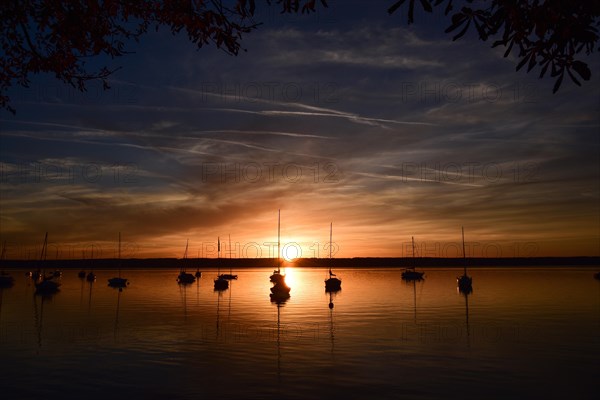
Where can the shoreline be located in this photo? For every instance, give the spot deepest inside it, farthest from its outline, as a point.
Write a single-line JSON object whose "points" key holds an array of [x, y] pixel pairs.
{"points": [[358, 262]]}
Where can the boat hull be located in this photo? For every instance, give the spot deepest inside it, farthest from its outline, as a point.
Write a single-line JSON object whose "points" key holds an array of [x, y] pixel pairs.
{"points": [[46, 287], [411, 275], [184, 277], [464, 283], [280, 288], [277, 278], [118, 282], [333, 284]]}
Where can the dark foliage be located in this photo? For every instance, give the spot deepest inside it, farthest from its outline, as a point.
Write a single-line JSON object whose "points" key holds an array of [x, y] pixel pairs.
{"points": [[60, 36], [545, 34]]}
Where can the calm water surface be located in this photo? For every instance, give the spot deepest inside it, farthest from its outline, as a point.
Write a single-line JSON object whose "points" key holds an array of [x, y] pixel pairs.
{"points": [[522, 333]]}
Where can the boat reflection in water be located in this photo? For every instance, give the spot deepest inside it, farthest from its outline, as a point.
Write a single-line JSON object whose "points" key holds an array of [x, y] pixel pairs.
{"points": [[466, 294]]}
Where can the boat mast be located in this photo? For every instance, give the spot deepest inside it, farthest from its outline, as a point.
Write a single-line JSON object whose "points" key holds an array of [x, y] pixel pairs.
{"points": [[330, 245], [187, 242], [463, 246], [278, 241], [218, 255], [413, 251], [230, 267]]}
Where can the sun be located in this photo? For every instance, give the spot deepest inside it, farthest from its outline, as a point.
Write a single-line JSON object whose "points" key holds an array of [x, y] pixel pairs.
{"points": [[291, 251]]}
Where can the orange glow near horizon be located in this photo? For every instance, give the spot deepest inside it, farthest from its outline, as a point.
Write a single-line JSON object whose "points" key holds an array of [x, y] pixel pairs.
{"points": [[301, 239]]}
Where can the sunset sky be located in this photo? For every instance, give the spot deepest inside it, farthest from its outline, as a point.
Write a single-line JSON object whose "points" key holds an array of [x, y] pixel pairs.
{"points": [[348, 116]]}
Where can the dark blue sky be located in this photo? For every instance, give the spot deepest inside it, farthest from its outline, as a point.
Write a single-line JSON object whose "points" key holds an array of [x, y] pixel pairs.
{"points": [[347, 115]]}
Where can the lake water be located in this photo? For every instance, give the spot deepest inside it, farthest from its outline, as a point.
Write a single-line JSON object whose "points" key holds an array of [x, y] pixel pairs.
{"points": [[522, 333]]}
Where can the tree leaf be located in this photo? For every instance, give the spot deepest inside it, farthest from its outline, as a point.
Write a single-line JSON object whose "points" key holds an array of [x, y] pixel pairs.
{"points": [[573, 77], [532, 61], [448, 8], [582, 69], [544, 69], [522, 62], [557, 83], [457, 20], [426, 5], [395, 6], [461, 33]]}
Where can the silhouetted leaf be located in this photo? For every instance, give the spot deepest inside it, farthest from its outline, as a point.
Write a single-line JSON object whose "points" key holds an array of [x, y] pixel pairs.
{"points": [[482, 34], [395, 6], [557, 84], [457, 20], [510, 46], [582, 69], [461, 33], [544, 69], [573, 77], [426, 5], [448, 8], [523, 62], [532, 62]]}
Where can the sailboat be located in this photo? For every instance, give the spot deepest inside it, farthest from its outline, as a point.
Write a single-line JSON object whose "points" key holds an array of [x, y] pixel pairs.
{"points": [[410, 274], [332, 284], [118, 282], [183, 276], [280, 291], [45, 285], [464, 281], [277, 276], [230, 275], [91, 276], [220, 283]]}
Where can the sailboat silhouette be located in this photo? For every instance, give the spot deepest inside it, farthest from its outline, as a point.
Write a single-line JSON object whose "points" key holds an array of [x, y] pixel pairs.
{"points": [[220, 283], [410, 274], [280, 291], [118, 282], [45, 285], [230, 275], [185, 277], [333, 283], [464, 281]]}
